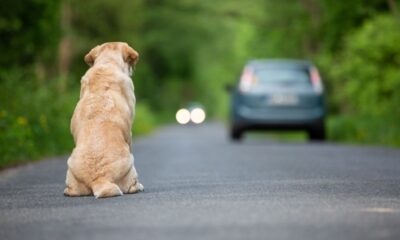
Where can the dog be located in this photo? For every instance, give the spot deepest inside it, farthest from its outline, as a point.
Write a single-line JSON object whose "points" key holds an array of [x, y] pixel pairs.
{"points": [[102, 163]]}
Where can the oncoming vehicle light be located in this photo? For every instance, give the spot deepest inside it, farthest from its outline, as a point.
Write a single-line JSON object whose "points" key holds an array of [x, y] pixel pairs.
{"points": [[183, 116], [197, 115]]}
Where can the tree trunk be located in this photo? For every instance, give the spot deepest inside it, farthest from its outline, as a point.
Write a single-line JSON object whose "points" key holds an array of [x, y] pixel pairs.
{"points": [[310, 42], [393, 7], [65, 46]]}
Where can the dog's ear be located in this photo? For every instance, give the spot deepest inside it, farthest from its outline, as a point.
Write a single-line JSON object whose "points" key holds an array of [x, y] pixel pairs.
{"points": [[92, 55], [130, 55]]}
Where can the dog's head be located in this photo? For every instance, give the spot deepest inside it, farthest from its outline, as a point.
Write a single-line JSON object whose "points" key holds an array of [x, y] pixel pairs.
{"points": [[119, 52]]}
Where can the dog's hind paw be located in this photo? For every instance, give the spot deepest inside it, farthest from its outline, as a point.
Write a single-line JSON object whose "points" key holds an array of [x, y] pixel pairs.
{"points": [[138, 187]]}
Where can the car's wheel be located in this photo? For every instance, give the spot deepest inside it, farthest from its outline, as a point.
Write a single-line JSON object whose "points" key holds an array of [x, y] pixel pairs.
{"points": [[317, 132], [236, 134]]}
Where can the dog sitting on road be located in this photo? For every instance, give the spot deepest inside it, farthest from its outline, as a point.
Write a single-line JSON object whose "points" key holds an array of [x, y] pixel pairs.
{"points": [[102, 163]]}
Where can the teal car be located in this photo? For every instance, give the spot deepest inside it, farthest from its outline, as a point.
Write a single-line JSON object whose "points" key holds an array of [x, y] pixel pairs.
{"points": [[278, 95]]}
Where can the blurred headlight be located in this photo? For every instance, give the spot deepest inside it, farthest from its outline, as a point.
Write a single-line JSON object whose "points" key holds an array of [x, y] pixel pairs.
{"points": [[197, 115], [182, 116]]}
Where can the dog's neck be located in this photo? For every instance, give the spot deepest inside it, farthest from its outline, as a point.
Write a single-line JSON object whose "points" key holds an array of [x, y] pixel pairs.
{"points": [[118, 62]]}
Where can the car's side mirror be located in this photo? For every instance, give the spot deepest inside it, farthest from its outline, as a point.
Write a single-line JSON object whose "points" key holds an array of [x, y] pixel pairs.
{"points": [[229, 88]]}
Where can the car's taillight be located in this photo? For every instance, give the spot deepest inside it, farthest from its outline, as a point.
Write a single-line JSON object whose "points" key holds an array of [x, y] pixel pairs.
{"points": [[247, 80], [316, 80]]}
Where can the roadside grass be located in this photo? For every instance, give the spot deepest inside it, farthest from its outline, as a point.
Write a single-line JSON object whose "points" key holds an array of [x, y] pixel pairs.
{"points": [[345, 129], [145, 120], [364, 130], [35, 121], [29, 138], [291, 136]]}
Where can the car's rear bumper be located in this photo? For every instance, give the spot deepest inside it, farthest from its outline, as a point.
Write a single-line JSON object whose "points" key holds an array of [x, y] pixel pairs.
{"points": [[285, 118]]}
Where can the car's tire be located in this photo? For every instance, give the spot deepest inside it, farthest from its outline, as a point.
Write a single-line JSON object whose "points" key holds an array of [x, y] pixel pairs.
{"points": [[317, 132], [236, 134]]}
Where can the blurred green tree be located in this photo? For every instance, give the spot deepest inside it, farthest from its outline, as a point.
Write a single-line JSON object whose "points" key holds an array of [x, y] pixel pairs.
{"points": [[188, 51], [29, 32]]}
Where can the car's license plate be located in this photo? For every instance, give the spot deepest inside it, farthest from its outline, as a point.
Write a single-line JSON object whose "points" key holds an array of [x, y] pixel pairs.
{"points": [[282, 100]]}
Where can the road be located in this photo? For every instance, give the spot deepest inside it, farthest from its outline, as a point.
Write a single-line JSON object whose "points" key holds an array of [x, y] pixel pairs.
{"points": [[199, 185]]}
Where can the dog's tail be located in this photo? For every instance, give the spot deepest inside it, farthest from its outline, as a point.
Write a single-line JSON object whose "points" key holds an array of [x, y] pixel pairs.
{"points": [[103, 189]]}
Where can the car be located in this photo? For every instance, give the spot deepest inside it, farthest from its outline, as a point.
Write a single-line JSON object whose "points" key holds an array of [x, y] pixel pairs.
{"points": [[278, 95]]}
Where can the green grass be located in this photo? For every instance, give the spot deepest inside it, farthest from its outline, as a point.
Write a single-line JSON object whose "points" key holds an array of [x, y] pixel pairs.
{"points": [[292, 136], [145, 120], [346, 129], [29, 137], [35, 120], [364, 130]]}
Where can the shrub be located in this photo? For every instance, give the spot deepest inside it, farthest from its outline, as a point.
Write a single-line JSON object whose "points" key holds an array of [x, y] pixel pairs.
{"points": [[365, 79], [145, 120], [34, 118], [359, 129], [367, 75]]}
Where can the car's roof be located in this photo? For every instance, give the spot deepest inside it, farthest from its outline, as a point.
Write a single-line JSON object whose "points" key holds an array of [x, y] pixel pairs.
{"points": [[279, 63]]}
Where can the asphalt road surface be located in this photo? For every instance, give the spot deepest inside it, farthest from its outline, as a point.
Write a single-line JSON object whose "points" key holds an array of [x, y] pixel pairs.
{"points": [[199, 185]]}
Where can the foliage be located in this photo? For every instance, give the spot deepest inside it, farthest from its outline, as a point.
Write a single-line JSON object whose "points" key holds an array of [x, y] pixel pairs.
{"points": [[366, 79], [28, 31], [34, 121], [189, 50], [368, 69], [144, 121], [362, 129]]}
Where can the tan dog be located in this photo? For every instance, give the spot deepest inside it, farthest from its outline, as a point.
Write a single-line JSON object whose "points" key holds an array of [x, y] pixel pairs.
{"points": [[101, 162]]}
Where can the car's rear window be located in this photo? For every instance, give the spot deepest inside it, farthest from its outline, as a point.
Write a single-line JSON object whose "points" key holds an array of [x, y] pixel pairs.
{"points": [[281, 76]]}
